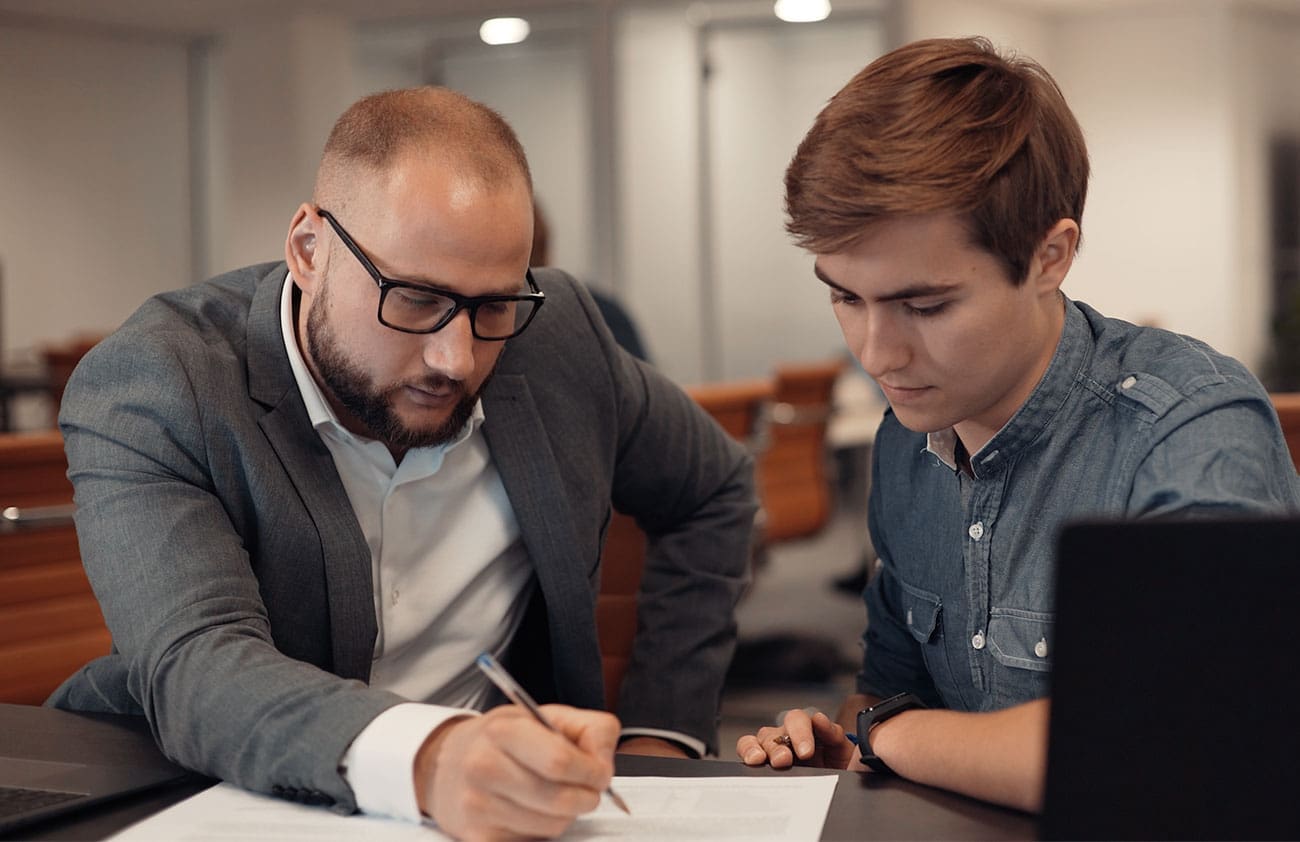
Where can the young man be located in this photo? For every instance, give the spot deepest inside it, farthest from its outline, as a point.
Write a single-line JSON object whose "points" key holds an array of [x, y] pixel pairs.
{"points": [[309, 492], [942, 192]]}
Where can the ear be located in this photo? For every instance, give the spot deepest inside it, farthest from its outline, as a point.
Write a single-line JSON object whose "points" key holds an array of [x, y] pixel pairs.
{"points": [[307, 262], [1055, 256]]}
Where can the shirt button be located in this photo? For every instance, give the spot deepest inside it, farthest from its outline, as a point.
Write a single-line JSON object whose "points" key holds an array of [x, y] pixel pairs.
{"points": [[978, 640], [396, 594], [1129, 382], [976, 531], [1040, 648]]}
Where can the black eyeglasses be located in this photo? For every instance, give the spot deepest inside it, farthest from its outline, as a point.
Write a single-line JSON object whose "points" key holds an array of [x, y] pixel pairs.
{"points": [[419, 308]]}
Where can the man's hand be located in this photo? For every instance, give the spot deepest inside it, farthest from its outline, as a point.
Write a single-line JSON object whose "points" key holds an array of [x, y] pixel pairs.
{"points": [[808, 740], [504, 775]]}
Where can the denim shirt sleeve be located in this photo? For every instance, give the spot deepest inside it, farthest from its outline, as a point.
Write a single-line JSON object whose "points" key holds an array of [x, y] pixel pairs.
{"points": [[892, 661], [1219, 451]]}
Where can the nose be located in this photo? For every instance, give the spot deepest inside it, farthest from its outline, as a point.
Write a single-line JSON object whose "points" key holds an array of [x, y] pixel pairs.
{"points": [[882, 344], [450, 351]]}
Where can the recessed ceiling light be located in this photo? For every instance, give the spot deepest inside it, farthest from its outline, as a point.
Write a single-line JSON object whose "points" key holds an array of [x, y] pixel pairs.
{"points": [[802, 11], [496, 31]]}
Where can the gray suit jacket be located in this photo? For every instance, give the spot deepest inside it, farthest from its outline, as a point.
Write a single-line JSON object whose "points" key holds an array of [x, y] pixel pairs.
{"points": [[236, 581]]}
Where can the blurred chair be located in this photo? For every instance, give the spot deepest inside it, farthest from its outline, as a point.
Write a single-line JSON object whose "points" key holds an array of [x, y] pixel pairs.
{"points": [[738, 407], [793, 480], [1287, 405], [50, 623], [621, 563], [60, 359]]}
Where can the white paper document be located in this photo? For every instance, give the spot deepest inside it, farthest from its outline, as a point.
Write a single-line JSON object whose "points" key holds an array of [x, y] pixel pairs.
{"points": [[749, 808]]}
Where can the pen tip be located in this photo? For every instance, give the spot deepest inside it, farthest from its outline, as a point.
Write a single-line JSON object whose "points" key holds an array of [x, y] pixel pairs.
{"points": [[618, 802]]}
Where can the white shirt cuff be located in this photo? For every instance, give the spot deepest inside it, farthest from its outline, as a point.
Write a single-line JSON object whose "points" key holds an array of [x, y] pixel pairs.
{"points": [[380, 763], [693, 744]]}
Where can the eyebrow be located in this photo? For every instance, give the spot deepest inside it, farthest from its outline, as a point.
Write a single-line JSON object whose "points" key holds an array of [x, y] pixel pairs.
{"points": [[517, 289], [917, 290]]}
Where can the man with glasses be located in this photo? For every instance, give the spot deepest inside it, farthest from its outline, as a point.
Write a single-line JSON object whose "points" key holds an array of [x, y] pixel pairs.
{"points": [[311, 493]]}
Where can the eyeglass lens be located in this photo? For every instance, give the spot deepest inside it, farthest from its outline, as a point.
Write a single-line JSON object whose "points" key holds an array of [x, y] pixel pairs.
{"points": [[413, 309]]}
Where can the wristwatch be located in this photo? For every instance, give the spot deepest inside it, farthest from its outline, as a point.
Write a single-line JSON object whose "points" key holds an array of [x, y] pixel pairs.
{"points": [[877, 714]]}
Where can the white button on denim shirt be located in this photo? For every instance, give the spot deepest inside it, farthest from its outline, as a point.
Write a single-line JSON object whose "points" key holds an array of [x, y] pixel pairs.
{"points": [[1126, 421]]}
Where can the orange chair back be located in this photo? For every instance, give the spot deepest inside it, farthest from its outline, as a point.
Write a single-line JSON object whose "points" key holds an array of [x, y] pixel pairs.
{"points": [[1287, 405], [50, 623]]}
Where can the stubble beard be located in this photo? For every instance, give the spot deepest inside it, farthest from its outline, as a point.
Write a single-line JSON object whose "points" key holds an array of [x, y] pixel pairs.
{"points": [[372, 406]]}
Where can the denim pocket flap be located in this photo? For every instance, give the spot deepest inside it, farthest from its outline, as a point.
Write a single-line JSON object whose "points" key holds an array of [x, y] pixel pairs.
{"points": [[920, 612], [1021, 638]]}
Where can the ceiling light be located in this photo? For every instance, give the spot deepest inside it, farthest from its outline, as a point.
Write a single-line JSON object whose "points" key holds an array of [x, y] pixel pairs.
{"points": [[496, 31], [802, 11]]}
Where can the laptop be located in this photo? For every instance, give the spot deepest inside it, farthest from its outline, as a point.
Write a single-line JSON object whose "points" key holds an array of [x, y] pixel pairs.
{"points": [[53, 763], [1176, 682]]}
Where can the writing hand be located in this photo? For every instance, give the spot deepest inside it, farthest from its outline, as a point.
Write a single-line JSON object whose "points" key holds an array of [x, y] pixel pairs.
{"points": [[807, 740], [504, 775]]}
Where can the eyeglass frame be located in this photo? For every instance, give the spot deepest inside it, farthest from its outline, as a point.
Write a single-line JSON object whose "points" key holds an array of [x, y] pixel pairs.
{"points": [[469, 303]]}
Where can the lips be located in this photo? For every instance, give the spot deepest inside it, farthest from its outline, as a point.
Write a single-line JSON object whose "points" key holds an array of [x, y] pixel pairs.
{"points": [[437, 396], [903, 394]]}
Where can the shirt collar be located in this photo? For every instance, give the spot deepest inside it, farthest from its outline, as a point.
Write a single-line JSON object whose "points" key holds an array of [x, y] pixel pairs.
{"points": [[322, 415], [1035, 415]]}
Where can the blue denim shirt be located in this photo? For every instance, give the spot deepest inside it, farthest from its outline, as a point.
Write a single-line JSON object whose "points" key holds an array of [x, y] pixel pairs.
{"points": [[1127, 421]]}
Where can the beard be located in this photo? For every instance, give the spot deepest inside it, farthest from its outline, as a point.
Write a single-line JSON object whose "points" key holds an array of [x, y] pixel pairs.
{"points": [[373, 405]]}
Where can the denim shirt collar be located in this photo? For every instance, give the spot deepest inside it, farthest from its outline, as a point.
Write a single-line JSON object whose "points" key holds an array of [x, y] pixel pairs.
{"points": [[1073, 351]]}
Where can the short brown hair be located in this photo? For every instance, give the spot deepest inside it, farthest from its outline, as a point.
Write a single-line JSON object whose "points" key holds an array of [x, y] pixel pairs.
{"points": [[377, 128], [942, 125]]}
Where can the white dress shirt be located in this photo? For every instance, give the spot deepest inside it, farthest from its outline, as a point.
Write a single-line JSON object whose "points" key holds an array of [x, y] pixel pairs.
{"points": [[450, 581]]}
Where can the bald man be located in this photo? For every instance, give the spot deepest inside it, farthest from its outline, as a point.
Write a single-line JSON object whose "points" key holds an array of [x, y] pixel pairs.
{"points": [[311, 492]]}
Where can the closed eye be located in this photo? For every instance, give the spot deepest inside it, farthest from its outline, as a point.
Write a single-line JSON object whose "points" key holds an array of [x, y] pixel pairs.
{"points": [[840, 296], [928, 310]]}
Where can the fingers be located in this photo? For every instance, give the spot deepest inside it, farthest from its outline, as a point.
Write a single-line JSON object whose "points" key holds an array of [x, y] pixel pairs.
{"points": [[769, 745], [798, 724], [836, 749], [801, 738], [504, 773], [593, 732]]}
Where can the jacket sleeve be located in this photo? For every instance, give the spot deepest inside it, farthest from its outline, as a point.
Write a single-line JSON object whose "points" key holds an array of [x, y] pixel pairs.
{"points": [[690, 487], [193, 646]]}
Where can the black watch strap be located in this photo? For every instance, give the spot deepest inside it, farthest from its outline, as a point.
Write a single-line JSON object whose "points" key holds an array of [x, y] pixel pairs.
{"points": [[876, 714]]}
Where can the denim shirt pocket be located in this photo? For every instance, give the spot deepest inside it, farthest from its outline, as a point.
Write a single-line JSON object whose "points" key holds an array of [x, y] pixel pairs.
{"points": [[1021, 642], [920, 611], [1021, 639]]}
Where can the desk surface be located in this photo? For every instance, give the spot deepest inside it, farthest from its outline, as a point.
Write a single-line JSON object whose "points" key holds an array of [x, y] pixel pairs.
{"points": [[865, 806]]}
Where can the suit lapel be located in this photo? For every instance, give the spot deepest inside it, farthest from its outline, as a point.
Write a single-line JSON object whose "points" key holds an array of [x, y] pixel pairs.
{"points": [[522, 454], [307, 461]]}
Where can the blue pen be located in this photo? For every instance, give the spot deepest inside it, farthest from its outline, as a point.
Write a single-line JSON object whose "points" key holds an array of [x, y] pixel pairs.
{"points": [[506, 683]]}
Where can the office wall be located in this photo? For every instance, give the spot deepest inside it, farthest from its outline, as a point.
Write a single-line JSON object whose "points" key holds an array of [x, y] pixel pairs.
{"points": [[271, 88], [706, 265], [1161, 233], [95, 168], [1178, 101], [1266, 62], [656, 132]]}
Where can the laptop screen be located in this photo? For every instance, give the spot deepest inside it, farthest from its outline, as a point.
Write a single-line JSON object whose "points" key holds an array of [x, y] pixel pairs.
{"points": [[1175, 681]]}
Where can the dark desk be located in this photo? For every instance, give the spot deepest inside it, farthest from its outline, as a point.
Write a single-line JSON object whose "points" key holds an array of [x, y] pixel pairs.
{"points": [[864, 807]]}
